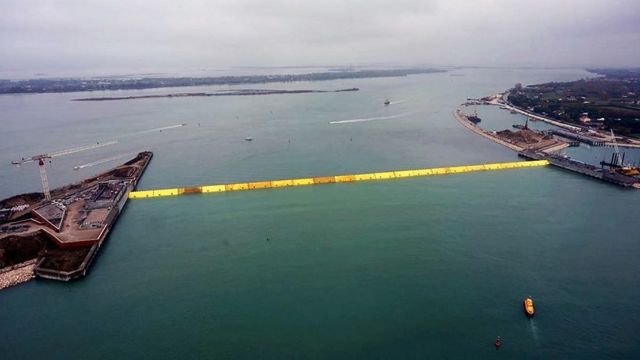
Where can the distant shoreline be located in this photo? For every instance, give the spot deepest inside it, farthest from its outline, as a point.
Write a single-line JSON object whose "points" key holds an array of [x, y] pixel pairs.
{"points": [[245, 92], [35, 86]]}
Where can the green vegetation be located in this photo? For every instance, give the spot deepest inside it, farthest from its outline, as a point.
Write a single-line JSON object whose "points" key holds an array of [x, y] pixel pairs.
{"points": [[611, 101]]}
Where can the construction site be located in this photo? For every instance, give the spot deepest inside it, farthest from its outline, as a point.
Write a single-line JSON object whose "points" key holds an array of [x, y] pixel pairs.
{"points": [[57, 234], [522, 139], [544, 145]]}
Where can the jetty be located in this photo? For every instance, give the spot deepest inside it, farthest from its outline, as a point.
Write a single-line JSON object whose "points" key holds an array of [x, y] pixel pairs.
{"points": [[600, 173], [58, 238]]}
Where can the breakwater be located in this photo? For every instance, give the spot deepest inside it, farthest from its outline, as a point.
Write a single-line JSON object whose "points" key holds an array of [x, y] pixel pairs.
{"points": [[17, 274], [388, 175], [461, 118]]}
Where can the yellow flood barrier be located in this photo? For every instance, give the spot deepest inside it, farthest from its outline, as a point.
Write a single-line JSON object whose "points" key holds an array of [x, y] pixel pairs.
{"points": [[334, 179]]}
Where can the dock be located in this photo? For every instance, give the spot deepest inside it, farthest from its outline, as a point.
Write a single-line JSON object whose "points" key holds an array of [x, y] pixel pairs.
{"points": [[583, 169], [590, 140]]}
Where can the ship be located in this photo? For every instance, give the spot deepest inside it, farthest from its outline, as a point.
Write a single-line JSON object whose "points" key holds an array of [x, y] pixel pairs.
{"points": [[522, 127], [528, 307], [474, 119]]}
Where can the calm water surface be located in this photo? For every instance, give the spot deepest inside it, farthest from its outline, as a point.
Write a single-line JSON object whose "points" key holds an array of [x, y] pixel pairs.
{"points": [[416, 268]]}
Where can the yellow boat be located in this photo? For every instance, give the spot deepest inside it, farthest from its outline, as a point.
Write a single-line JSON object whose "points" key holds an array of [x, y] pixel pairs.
{"points": [[528, 307]]}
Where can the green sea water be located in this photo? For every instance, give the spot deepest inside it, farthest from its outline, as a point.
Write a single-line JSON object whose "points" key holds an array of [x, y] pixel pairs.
{"points": [[431, 267]]}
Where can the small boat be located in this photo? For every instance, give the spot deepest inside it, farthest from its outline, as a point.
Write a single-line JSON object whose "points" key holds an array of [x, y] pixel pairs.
{"points": [[387, 102], [248, 138], [498, 342], [528, 307]]}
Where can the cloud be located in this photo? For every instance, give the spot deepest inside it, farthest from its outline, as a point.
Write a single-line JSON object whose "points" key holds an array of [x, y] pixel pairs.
{"points": [[74, 36]]}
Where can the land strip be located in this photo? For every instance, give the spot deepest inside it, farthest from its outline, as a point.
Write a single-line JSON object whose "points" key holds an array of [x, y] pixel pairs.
{"points": [[461, 118], [594, 105], [603, 136], [74, 85], [521, 140], [242, 92]]}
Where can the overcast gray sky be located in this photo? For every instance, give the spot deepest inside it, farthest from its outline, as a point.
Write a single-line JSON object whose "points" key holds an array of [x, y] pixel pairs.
{"points": [[89, 36]]}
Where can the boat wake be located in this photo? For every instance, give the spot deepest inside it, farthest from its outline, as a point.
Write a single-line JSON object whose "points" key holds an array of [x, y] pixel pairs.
{"points": [[534, 331], [397, 102], [154, 130], [369, 119], [83, 148], [101, 161]]}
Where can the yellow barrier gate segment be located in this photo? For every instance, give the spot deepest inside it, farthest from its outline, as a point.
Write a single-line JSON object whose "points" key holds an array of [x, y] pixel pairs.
{"points": [[333, 179]]}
